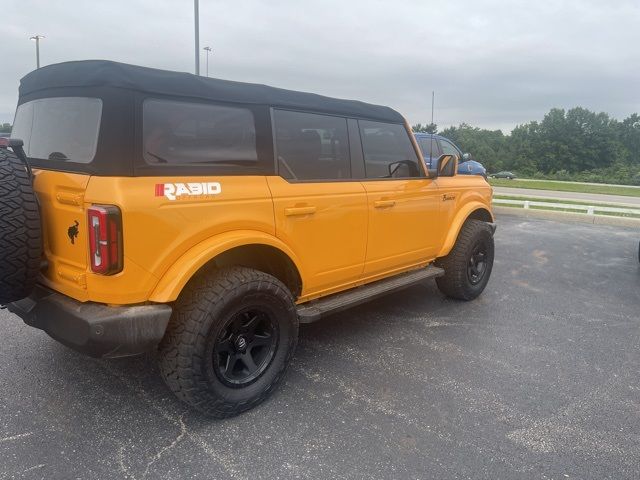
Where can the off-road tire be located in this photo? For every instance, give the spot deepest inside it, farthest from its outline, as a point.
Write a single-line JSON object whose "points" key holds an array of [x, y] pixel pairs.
{"points": [[201, 312], [456, 282], [20, 231]]}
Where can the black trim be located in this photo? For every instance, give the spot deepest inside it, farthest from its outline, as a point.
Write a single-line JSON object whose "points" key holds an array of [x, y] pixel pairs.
{"points": [[355, 147], [122, 89], [314, 310], [102, 73], [93, 328]]}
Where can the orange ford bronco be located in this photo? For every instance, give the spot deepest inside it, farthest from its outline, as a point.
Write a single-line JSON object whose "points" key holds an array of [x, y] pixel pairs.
{"points": [[143, 209]]}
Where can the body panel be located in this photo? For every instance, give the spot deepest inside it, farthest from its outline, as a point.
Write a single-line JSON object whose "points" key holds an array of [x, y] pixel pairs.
{"points": [[158, 230], [462, 195], [403, 218], [61, 199], [325, 225], [176, 277]]}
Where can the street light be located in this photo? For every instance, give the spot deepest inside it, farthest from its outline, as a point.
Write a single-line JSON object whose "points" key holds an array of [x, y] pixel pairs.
{"points": [[37, 39], [208, 50]]}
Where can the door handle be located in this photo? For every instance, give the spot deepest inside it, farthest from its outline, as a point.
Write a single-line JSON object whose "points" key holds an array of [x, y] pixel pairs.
{"points": [[384, 203], [293, 211]]}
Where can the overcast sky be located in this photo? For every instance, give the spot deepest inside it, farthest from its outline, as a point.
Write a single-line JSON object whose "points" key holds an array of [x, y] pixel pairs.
{"points": [[493, 64]]}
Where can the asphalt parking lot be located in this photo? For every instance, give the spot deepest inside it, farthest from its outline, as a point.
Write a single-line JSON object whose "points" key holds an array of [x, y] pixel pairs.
{"points": [[538, 378]]}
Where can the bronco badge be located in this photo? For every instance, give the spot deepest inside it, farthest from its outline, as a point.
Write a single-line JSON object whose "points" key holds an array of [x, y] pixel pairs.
{"points": [[73, 231]]}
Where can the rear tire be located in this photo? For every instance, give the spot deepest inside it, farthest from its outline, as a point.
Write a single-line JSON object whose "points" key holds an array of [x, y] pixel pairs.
{"points": [[229, 341], [20, 231], [468, 266]]}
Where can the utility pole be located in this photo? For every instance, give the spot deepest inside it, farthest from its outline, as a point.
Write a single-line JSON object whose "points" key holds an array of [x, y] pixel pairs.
{"points": [[197, 32], [208, 50], [433, 101], [37, 39]]}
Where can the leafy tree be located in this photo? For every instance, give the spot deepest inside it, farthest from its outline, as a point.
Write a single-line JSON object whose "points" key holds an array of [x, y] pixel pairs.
{"points": [[5, 128], [487, 145], [575, 144], [427, 128]]}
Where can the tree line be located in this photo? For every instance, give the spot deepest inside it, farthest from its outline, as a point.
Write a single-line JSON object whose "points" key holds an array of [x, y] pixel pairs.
{"points": [[575, 144]]}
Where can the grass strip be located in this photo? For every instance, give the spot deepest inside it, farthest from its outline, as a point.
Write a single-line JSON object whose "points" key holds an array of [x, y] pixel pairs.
{"points": [[567, 187]]}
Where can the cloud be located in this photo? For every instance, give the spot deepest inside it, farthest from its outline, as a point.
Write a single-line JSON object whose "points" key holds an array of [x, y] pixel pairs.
{"points": [[493, 64]]}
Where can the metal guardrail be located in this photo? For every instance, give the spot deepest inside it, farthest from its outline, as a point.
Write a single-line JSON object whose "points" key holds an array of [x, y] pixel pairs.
{"points": [[588, 209]]}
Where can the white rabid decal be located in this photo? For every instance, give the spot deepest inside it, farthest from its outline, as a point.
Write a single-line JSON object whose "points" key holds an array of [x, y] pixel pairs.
{"points": [[174, 191]]}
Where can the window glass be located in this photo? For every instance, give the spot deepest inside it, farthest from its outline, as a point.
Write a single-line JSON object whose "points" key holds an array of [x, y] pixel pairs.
{"points": [[448, 148], [197, 133], [60, 128], [430, 149], [312, 146], [388, 151]]}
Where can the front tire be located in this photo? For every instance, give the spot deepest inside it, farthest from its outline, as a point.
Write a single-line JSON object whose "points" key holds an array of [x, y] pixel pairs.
{"points": [[468, 266], [229, 341]]}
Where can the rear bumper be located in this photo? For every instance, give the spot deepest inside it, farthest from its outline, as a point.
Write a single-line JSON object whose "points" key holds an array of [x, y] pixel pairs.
{"points": [[92, 328]]}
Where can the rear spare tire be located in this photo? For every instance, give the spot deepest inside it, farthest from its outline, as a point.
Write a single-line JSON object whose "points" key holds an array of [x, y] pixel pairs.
{"points": [[20, 232]]}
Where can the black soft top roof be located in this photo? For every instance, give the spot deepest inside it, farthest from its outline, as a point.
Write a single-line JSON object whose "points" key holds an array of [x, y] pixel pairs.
{"points": [[103, 73]]}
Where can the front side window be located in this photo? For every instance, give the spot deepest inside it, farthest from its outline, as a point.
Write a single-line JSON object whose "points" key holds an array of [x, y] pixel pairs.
{"points": [[430, 149], [388, 151], [312, 146], [183, 133], [59, 128]]}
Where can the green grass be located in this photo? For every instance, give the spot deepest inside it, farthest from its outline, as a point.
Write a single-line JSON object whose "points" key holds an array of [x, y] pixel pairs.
{"points": [[566, 187]]}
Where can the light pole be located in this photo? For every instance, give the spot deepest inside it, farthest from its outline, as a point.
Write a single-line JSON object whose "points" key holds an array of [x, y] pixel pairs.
{"points": [[37, 39], [196, 15], [208, 50]]}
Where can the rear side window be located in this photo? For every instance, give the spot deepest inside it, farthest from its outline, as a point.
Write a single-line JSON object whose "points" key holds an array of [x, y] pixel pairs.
{"points": [[388, 151], [61, 128], [312, 146], [183, 133], [448, 148]]}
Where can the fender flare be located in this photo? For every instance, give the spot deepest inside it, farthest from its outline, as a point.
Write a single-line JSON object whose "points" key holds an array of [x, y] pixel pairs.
{"points": [[456, 225], [181, 271]]}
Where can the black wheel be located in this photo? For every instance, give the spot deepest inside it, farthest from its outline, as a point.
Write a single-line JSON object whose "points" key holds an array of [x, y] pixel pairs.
{"points": [[20, 231], [229, 341], [468, 266]]}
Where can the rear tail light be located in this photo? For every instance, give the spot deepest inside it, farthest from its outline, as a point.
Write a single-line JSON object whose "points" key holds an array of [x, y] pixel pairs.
{"points": [[105, 239]]}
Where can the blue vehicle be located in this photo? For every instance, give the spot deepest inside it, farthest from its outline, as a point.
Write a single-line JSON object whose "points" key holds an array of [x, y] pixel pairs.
{"points": [[433, 146]]}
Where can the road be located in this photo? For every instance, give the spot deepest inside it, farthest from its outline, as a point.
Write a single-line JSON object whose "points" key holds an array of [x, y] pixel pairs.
{"points": [[587, 197], [538, 378], [578, 183]]}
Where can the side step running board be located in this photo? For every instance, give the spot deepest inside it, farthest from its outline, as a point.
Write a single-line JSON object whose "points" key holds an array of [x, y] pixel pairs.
{"points": [[314, 310]]}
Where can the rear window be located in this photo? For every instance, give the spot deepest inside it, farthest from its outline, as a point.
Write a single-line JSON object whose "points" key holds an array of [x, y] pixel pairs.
{"points": [[183, 133], [61, 128]]}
